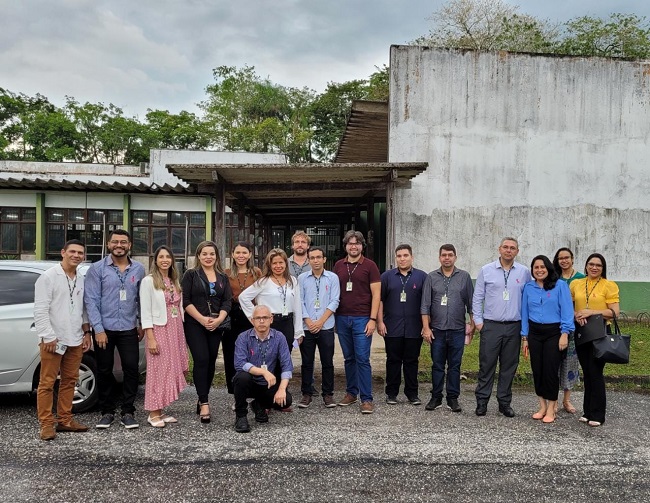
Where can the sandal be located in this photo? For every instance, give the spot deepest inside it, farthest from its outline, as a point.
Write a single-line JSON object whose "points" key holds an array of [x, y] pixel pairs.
{"points": [[548, 419], [538, 415], [568, 407], [156, 421], [205, 418], [594, 424], [168, 419]]}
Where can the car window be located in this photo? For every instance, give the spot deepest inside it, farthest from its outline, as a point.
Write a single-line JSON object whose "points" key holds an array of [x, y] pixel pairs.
{"points": [[17, 287]]}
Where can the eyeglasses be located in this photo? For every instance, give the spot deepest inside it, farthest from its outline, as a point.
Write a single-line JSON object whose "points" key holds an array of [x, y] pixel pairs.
{"points": [[354, 244], [262, 318], [123, 243], [598, 266]]}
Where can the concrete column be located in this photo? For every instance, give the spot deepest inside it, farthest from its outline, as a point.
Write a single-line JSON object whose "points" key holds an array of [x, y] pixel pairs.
{"points": [[41, 233]]}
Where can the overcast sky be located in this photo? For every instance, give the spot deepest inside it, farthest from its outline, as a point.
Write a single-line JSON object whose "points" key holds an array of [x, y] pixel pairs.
{"points": [[160, 53]]}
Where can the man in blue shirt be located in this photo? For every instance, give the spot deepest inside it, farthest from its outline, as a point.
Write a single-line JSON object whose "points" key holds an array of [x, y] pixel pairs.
{"points": [[400, 324], [112, 301], [258, 352], [497, 313], [320, 292]]}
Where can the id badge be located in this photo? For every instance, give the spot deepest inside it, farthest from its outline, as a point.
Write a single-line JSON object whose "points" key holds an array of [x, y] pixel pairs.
{"points": [[348, 286], [60, 348], [264, 366], [443, 301], [317, 304], [402, 297], [284, 311], [506, 295], [122, 294], [174, 312]]}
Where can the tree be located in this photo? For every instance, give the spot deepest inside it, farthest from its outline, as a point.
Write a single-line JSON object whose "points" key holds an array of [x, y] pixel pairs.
{"points": [[184, 130]]}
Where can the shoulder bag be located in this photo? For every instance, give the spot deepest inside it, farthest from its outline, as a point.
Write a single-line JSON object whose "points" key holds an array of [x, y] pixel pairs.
{"points": [[592, 330], [613, 348]]}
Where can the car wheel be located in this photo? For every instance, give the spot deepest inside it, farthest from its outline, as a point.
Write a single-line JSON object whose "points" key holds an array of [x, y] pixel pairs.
{"points": [[86, 393]]}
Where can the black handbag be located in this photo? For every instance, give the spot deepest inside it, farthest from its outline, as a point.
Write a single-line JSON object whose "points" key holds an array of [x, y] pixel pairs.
{"points": [[593, 330], [613, 348]]}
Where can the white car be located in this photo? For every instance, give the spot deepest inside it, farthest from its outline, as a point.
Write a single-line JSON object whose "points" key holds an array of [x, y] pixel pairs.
{"points": [[19, 352]]}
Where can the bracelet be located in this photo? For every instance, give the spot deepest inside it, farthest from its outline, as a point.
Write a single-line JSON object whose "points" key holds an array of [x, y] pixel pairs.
{"points": [[373, 319], [87, 332]]}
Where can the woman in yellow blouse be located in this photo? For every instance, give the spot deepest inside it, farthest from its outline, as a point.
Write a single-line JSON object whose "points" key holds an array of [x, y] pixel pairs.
{"points": [[592, 295]]}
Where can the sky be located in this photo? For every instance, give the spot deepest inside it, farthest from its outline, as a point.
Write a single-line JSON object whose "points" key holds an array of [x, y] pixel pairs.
{"points": [[160, 54]]}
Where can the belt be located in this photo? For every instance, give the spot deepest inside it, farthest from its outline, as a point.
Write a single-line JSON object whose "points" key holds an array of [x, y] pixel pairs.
{"points": [[278, 316], [503, 322]]}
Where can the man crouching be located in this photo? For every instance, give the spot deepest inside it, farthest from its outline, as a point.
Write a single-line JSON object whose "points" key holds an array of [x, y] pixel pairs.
{"points": [[257, 353]]}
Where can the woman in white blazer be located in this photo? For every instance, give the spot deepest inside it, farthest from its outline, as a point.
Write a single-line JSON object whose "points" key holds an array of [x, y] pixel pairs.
{"points": [[162, 321]]}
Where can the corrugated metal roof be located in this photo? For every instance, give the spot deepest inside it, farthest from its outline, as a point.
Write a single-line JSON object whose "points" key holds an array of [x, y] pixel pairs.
{"points": [[366, 134], [88, 183]]}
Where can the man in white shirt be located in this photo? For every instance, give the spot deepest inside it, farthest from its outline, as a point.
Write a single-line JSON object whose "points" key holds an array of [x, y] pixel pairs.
{"points": [[64, 335]]}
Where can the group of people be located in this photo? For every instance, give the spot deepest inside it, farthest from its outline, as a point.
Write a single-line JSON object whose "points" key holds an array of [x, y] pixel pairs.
{"points": [[259, 316]]}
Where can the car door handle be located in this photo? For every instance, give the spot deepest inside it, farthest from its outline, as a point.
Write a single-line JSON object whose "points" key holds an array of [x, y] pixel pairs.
{"points": [[32, 327]]}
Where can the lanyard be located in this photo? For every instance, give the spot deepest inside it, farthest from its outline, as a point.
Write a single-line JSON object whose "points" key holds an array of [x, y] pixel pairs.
{"points": [[71, 288], [121, 277], [506, 276], [317, 280], [170, 288], [283, 290], [404, 283], [588, 293], [260, 345], [347, 264], [446, 282]]}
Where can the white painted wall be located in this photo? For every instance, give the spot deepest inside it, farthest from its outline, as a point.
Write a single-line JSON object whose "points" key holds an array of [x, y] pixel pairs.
{"points": [[167, 202], [554, 151]]}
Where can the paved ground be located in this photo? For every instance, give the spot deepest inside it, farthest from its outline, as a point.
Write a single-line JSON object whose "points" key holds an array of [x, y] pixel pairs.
{"points": [[400, 453]]}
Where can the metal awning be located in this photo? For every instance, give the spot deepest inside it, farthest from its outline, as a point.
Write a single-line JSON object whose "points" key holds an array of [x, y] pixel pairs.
{"points": [[366, 134], [107, 185]]}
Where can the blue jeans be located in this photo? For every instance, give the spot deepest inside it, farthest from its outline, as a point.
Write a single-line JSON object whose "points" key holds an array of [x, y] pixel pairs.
{"points": [[356, 353], [447, 350]]}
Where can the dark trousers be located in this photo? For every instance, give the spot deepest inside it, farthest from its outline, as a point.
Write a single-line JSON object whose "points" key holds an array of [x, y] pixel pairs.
{"points": [[127, 345], [447, 349], [402, 354], [545, 358], [500, 343], [204, 346], [238, 324], [324, 340], [246, 387], [283, 324], [595, 399]]}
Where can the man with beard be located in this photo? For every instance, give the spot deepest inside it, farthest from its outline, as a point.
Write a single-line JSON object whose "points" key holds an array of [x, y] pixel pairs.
{"points": [[111, 296], [299, 262]]}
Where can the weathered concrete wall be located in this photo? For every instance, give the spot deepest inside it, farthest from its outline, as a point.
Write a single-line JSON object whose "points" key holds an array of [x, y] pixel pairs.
{"points": [[553, 151]]}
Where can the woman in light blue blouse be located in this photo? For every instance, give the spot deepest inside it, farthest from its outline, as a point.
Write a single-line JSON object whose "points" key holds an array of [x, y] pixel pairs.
{"points": [[546, 320]]}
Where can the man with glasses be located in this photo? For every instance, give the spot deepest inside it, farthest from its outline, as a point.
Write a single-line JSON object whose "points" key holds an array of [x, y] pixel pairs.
{"points": [[258, 353], [320, 293], [356, 318], [112, 301], [496, 306]]}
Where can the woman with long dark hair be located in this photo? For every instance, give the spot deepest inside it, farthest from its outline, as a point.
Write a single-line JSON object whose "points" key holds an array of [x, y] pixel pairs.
{"points": [[593, 295], [570, 366], [546, 320], [207, 298], [162, 322]]}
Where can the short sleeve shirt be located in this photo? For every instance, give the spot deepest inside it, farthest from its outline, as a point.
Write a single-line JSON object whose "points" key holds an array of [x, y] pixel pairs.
{"points": [[358, 301]]}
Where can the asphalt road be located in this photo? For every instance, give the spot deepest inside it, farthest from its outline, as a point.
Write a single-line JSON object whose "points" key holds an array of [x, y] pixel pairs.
{"points": [[400, 453]]}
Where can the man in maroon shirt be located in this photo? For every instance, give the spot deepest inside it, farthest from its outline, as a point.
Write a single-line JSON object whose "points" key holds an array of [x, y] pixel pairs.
{"points": [[356, 318]]}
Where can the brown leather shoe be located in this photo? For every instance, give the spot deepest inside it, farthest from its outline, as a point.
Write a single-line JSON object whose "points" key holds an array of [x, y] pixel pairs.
{"points": [[72, 426], [348, 399], [48, 433], [329, 402], [367, 408]]}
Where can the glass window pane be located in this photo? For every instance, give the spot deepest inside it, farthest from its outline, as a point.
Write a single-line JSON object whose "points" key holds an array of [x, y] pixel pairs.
{"points": [[55, 238], [55, 215], [178, 240], [178, 218], [159, 218], [140, 241], [197, 219], [17, 287], [76, 215], [95, 216], [9, 240], [140, 217], [116, 216], [159, 237], [29, 238], [196, 236], [9, 214], [29, 214]]}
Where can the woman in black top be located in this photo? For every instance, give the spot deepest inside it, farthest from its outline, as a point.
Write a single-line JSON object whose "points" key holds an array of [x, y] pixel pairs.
{"points": [[207, 298]]}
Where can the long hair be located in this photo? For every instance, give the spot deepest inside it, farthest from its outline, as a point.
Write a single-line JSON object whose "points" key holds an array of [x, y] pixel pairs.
{"points": [[267, 272], [602, 259], [157, 276], [556, 259], [199, 249], [551, 279], [250, 265]]}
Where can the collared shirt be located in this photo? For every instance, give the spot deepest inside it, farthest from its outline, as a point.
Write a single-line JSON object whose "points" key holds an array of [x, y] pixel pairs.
{"points": [[547, 306], [447, 299], [402, 319], [362, 274], [250, 352], [107, 307], [295, 269], [318, 295], [59, 308], [489, 301]]}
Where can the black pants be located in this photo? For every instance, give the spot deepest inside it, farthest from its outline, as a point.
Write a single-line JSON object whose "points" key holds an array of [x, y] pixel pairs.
{"points": [[204, 346], [545, 358], [239, 324], [402, 354], [324, 340], [246, 387], [127, 344], [283, 324], [595, 399]]}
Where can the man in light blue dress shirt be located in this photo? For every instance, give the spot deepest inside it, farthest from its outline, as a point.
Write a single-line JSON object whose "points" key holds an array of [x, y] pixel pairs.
{"points": [[496, 305]]}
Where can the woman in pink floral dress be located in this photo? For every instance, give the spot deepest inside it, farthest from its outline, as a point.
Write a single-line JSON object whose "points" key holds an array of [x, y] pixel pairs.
{"points": [[162, 321]]}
